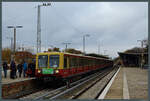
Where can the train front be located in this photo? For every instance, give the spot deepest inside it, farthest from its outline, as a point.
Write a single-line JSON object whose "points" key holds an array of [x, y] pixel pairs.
{"points": [[47, 65]]}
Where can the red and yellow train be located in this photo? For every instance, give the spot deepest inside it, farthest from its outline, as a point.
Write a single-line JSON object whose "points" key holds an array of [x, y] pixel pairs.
{"points": [[65, 65]]}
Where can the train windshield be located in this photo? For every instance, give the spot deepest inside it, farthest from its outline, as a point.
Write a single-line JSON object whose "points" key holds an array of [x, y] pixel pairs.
{"points": [[42, 61], [54, 61]]}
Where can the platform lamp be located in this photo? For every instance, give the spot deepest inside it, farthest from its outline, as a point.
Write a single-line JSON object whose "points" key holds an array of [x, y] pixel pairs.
{"points": [[14, 27], [39, 25]]}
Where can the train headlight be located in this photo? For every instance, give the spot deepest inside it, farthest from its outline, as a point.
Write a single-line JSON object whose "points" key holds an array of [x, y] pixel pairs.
{"points": [[56, 71], [39, 71]]}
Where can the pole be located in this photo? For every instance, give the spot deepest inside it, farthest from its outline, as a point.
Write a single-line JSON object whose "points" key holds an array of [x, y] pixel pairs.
{"points": [[142, 54], [39, 26], [11, 43], [83, 44], [105, 52], [66, 46], [14, 40], [38, 31], [14, 44], [98, 49], [22, 47], [86, 35]]}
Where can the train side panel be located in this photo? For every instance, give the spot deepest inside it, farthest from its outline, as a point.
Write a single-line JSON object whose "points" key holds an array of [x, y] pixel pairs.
{"points": [[70, 65]]}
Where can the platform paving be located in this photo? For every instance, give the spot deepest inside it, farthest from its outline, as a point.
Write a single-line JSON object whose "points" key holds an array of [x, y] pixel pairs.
{"points": [[130, 83], [9, 80]]}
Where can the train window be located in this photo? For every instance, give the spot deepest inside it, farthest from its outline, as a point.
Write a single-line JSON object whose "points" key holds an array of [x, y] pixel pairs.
{"points": [[96, 62], [104, 61], [70, 62], [93, 62], [90, 62], [78, 61], [42, 61], [99, 61], [65, 62], [82, 61], [75, 62], [54, 61], [86, 62]]}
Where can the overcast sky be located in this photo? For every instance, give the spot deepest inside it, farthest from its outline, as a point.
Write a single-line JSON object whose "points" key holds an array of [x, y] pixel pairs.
{"points": [[115, 26]]}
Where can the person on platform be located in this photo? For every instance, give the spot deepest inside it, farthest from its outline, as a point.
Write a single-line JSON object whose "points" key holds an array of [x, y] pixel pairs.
{"points": [[5, 67], [19, 67], [13, 69], [31, 69], [25, 66]]}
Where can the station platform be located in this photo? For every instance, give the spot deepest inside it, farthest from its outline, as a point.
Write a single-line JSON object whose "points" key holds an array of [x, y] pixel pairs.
{"points": [[11, 88], [9, 80], [127, 83]]}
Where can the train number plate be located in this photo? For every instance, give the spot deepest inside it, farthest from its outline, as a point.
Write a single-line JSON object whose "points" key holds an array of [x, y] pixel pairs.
{"points": [[48, 71]]}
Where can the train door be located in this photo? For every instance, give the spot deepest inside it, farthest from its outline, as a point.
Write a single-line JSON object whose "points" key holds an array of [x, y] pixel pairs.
{"points": [[66, 66]]}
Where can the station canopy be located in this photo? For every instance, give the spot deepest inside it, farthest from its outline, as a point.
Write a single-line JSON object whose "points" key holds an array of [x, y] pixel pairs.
{"points": [[133, 59]]}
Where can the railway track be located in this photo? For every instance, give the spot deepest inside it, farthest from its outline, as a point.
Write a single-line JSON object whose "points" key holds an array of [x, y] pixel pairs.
{"points": [[102, 81], [76, 91], [52, 92], [64, 93]]}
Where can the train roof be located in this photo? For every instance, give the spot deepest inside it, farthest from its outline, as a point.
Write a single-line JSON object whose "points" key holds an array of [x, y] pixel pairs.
{"points": [[78, 55], [81, 55]]}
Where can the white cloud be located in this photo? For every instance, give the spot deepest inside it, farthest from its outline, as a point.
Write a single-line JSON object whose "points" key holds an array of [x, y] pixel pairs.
{"points": [[116, 26]]}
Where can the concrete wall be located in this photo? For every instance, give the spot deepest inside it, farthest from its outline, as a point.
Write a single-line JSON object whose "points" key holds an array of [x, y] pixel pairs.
{"points": [[16, 89]]}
